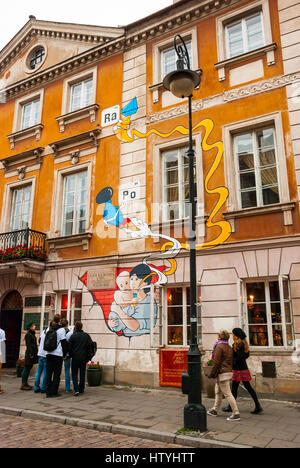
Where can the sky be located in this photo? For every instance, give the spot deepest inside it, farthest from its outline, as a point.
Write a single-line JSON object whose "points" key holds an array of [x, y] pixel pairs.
{"points": [[94, 12]]}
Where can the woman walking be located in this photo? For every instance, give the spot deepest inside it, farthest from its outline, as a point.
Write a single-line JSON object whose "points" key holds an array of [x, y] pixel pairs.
{"points": [[222, 371], [241, 372], [31, 355]]}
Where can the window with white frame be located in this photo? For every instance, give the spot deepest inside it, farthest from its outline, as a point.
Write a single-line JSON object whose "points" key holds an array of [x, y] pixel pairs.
{"points": [[74, 211], [175, 165], [71, 306], [30, 114], [169, 59], [81, 94], [178, 316], [269, 313], [21, 208], [256, 168], [244, 35]]}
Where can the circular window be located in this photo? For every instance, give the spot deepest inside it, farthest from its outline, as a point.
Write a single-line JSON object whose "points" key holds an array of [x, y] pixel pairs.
{"points": [[35, 58]]}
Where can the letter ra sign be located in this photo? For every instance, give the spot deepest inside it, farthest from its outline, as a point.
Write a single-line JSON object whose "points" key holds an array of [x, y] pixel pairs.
{"points": [[129, 192], [110, 116]]}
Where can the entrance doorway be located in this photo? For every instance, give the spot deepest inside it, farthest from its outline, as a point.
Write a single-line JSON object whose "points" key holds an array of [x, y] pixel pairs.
{"points": [[11, 315]]}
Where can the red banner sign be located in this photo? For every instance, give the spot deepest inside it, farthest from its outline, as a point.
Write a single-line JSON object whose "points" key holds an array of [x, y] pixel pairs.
{"points": [[173, 362]]}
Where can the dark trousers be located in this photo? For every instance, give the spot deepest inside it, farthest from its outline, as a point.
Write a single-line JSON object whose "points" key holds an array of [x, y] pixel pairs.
{"points": [[248, 387], [53, 371], [78, 366], [25, 374]]}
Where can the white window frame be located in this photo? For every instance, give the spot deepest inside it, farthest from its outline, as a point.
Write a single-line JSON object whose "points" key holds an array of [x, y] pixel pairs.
{"points": [[8, 200], [23, 187], [71, 304], [275, 120], [269, 323], [160, 47], [82, 95], [75, 79], [19, 105], [32, 121], [58, 193], [244, 33], [40, 45], [75, 220], [162, 52], [235, 15], [185, 344], [158, 215], [256, 170]]}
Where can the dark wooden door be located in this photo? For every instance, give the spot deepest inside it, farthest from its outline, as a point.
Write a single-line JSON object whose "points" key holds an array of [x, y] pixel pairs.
{"points": [[11, 315]]}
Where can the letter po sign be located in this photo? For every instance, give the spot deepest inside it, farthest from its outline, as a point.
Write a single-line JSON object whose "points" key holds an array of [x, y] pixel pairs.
{"points": [[129, 192], [110, 116]]}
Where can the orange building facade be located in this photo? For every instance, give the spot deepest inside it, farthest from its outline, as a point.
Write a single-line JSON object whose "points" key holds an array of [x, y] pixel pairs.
{"points": [[94, 187]]}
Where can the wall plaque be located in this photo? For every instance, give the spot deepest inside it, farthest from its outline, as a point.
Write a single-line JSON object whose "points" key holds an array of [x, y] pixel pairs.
{"points": [[172, 364], [101, 278]]}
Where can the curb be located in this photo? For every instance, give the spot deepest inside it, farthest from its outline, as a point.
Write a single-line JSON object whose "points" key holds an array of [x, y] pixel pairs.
{"points": [[166, 437]]}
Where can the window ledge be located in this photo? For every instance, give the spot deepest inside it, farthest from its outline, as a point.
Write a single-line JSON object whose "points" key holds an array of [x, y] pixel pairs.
{"points": [[70, 241], [155, 88], [85, 112], [268, 50], [285, 208], [36, 131], [271, 351]]}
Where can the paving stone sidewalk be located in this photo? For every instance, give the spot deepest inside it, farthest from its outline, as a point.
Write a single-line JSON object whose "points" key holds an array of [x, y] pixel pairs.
{"points": [[155, 414]]}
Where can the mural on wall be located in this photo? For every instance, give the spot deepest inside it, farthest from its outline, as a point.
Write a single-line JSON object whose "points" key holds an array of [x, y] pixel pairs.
{"points": [[127, 308]]}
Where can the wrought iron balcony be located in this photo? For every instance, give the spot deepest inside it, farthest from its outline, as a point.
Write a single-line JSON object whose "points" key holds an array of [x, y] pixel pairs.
{"points": [[23, 245]]}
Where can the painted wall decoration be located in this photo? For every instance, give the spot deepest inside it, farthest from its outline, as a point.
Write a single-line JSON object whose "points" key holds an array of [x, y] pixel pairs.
{"points": [[127, 308]]}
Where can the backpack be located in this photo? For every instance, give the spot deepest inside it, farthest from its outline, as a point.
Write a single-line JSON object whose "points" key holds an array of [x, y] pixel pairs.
{"points": [[50, 343], [92, 349]]}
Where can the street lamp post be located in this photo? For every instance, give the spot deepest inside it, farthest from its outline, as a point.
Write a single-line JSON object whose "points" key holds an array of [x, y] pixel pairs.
{"points": [[182, 83]]}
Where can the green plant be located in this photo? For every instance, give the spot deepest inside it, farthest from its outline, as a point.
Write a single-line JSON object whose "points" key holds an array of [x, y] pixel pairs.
{"points": [[209, 363], [94, 365]]}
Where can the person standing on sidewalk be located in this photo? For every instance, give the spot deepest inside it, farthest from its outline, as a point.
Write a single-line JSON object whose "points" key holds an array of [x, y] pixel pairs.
{"points": [[31, 355], [79, 346], [241, 372], [2, 354], [67, 361], [41, 370], [56, 346], [222, 371]]}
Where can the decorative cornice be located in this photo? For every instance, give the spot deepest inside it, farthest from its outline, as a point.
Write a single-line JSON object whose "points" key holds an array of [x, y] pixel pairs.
{"points": [[114, 46], [89, 111], [19, 158], [228, 96], [81, 138], [34, 131]]}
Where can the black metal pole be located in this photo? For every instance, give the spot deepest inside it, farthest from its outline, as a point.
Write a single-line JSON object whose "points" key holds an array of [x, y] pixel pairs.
{"points": [[194, 412]]}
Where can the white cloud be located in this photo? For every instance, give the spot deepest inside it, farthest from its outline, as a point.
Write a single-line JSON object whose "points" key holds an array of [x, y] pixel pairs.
{"points": [[94, 12]]}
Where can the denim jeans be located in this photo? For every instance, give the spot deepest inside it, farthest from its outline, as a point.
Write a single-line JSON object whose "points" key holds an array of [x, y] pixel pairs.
{"points": [[67, 364], [41, 370], [81, 367]]}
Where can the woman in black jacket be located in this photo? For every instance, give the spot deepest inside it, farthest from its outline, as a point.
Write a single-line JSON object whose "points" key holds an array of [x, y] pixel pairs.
{"points": [[241, 372], [31, 356]]}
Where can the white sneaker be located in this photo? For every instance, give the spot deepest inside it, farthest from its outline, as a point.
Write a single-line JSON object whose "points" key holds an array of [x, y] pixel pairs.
{"points": [[234, 417]]}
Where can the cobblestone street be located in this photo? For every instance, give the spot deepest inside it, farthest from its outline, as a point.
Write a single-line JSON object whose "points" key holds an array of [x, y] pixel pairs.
{"points": [[19, 432]]}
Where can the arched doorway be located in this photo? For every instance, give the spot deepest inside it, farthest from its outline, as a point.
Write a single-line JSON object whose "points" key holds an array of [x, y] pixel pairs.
{"points": [[11, 315]]}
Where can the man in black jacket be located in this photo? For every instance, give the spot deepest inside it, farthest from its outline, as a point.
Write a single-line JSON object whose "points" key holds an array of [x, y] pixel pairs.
{"points": [[79, 346]]}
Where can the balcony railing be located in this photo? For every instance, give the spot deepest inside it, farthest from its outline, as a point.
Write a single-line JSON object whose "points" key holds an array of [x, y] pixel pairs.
{"points": [[23, 245]]}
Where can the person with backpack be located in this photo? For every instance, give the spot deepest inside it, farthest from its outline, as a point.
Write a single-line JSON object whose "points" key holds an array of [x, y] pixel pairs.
{"points": [[67, 361], [81, 350], [56, 347], [31, 355]]}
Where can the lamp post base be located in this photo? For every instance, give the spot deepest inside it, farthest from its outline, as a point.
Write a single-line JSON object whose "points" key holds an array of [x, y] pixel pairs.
{"points": [[195, 417]]}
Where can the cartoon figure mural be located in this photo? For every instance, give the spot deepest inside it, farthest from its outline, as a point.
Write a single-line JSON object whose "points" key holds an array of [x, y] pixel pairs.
{"points": [[128, 309]]}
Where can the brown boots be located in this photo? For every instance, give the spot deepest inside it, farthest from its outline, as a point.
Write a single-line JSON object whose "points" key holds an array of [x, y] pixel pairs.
{"points": [[26, 387]]}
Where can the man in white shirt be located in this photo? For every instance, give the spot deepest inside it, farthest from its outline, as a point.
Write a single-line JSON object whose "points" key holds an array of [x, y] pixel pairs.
{"points": [[2, 353], [41, 370], [54, 359]]}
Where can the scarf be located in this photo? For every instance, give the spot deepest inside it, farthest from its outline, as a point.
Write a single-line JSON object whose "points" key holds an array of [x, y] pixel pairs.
{"points": [[215, 345]]}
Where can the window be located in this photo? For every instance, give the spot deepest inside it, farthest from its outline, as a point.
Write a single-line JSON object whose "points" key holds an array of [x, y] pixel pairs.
{"points": [[74, 204], [269, 314], [81, 95], [30, 114], [178, 316], [169, 59], [70, 307], [176, 184], [36, 58], [255, 156], [244, 35], [21, 204]]}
